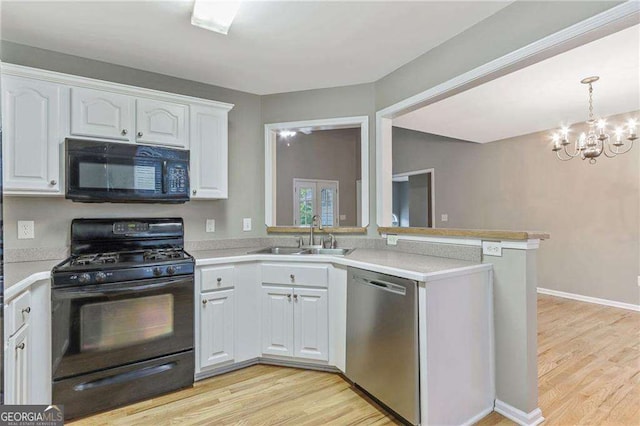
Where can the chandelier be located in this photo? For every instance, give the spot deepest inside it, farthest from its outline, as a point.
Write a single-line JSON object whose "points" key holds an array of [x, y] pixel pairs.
{"points": [[596, 141]]}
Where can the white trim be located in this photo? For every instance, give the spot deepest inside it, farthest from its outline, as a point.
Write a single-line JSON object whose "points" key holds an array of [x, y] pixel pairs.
{"points": [[399, 177], [91, 83], [589, 299], [525, 419], [611, 20], [322, 124], [475, 419], [521, 245], [15, 290], [441, 240]]}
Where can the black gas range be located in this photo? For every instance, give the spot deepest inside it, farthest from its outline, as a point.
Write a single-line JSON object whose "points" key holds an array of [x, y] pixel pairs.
{"points": [[122, 314]]}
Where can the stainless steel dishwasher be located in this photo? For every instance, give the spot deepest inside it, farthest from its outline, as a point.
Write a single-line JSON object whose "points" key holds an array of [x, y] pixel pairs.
{"points": [[382, 340]]}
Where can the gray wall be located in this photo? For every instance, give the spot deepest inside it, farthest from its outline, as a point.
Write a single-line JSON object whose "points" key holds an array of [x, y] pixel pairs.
{"points": [[246, 160], [322, 154], [511, 28], [591, 211], [345, 101]]}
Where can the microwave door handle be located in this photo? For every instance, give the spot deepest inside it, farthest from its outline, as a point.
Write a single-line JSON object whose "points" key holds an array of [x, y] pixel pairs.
{"points": [[164, 177]]}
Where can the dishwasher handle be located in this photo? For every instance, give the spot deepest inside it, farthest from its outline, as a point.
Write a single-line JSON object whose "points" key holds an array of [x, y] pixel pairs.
{"points": [[383, 285]]}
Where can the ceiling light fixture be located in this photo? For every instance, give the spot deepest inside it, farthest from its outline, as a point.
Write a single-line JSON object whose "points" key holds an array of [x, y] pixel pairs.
{"points": [[596, 140], [287, 133], [214, 15]]}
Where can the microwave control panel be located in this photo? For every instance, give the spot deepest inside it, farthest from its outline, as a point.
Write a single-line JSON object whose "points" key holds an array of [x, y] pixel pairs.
{"points": [[177, 179]]}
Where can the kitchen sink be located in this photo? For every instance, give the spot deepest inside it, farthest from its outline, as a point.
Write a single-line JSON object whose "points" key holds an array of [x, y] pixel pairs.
{"points": [[329, 251], [280, 250], [304, 251]]}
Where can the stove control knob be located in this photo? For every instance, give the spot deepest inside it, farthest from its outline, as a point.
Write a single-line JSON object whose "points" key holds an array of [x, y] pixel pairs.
{"points": [[84, 278], [171, 270], [100, 277], [157, 271]]}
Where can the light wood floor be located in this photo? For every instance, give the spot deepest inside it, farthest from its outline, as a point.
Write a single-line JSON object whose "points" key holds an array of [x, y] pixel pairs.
{"points": [[588, 364]]}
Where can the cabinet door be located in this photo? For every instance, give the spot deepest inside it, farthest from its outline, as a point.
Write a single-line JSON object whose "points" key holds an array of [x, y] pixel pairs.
{"points": [[216, 327], [31, 123], [161, 123], [17, 368], [311, 324], [277, 321], [208, 152], [101, 114]]}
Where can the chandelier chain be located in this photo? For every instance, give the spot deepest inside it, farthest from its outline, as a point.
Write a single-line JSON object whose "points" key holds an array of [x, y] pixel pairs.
{"points": [[590, 102]]}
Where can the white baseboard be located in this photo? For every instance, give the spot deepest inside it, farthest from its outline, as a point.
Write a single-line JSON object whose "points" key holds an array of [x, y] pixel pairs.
{"points": [[481, 415], [525, 419], [589, 299]]}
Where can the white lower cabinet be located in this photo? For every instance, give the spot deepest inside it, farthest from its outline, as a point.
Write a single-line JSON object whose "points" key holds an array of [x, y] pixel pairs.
{"points": [[216, 327], [277, 321], [27, 360], [18, 371], [311, 324], [295, 322]]}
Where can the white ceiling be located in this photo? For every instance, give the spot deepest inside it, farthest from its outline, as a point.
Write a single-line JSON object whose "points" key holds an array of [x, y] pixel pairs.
{"points": [[272, 47], [543, 96]]}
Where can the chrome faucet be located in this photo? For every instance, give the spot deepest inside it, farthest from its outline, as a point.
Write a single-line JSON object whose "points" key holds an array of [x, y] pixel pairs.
{"points": [[315, 221], [332, 242]]}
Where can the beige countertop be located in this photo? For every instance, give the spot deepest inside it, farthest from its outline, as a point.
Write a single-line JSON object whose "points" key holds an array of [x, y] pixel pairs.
{"points": [[412, 266], [20, 275]]}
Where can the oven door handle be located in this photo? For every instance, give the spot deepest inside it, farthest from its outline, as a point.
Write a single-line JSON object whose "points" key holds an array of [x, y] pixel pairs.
{"points": [[125, 377], [84, 291]]}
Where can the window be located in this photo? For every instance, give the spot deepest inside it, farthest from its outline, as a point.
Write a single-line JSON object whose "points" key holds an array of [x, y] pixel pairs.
{"points": [[315, 197]]}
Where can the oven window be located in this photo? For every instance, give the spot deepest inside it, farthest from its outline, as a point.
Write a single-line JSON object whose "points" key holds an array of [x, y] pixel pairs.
{"points": [[116, 324], [117, 176]]}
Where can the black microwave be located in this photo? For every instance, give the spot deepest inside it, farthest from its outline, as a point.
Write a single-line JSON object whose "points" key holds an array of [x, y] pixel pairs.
{"points": [[101, 172]]}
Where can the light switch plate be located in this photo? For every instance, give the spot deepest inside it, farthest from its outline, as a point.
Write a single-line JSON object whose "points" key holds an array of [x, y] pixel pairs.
{"points": [[444, 217], [246, 224], [26, 230], [343, 217], [392, 240], [492, 248], [211, 225]]}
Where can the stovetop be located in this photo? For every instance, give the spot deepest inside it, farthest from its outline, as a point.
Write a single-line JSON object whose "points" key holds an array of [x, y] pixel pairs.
{"points": [[107, 251]]}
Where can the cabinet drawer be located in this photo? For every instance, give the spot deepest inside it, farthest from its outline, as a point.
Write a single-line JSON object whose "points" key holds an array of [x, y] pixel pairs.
{"points": [[311, 275], [214, 278], [21, 308]]}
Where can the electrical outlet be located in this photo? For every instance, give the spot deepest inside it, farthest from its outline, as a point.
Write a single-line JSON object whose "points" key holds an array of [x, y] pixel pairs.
{"points": [[343, 217], [492, 248], [392, 240], [211, 225], [246, 224], [444, 217], [638, 280], [26, 230]]}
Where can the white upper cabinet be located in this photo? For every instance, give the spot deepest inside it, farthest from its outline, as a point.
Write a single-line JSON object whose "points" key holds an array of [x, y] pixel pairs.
{"points": [[102, 114], [209, 148], [31, 123], [162, 123]]}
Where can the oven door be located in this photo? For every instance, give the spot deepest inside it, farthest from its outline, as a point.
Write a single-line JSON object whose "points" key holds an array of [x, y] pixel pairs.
{"points": [[101, 326]]}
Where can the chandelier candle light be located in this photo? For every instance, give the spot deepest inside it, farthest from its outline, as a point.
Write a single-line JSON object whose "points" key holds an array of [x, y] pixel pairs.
{"points": [[597, 140]]}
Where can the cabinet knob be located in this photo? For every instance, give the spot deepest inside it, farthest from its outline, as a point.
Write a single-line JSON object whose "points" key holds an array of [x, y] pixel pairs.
{"points": [[289, 297], [194, 192], [20, 346], [53, 182], [124, 132], [26, 310], [139, 134], [295, 297], [204, 302], [219, 281], [293, 277]]}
